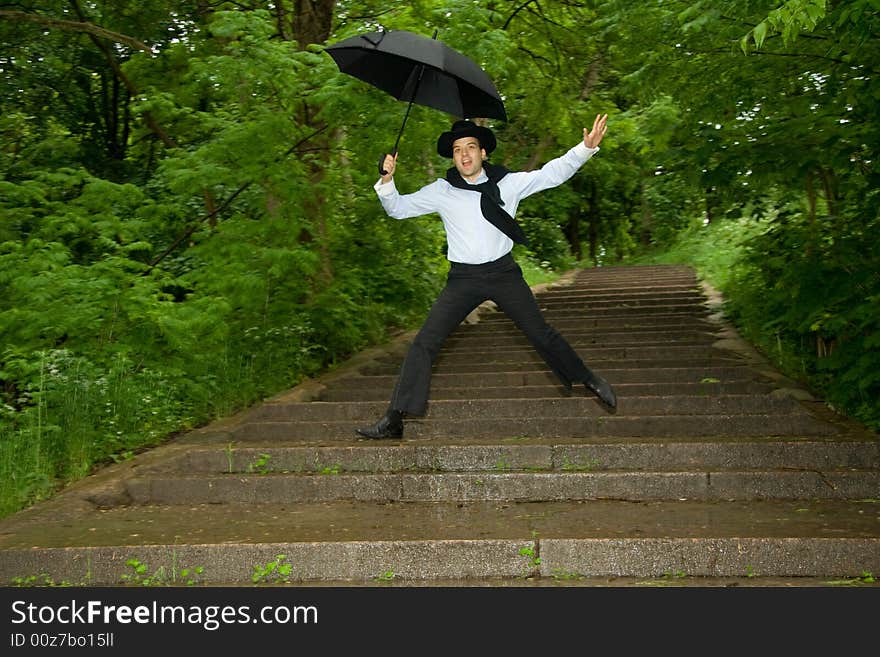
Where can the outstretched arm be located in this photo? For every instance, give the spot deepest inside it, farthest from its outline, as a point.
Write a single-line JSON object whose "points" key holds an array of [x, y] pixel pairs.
{"points": [[592, 138], [558, 170]]}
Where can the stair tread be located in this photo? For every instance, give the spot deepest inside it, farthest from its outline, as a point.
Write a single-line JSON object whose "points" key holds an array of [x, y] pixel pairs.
{"points": [[363, 521]]}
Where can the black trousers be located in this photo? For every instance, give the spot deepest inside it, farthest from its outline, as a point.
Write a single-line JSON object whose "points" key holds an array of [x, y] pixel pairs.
{"points": [[467, 286]]}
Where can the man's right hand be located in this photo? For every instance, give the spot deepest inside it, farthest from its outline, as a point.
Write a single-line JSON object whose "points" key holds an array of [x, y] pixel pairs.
{"points": [[389, 164]]}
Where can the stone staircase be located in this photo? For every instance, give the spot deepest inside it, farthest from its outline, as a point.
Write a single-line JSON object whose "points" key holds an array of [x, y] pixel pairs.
{"points": [[713, 469]]}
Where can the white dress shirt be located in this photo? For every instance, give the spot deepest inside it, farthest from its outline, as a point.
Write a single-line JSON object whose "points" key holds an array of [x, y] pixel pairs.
{"points": [[469, 235]]}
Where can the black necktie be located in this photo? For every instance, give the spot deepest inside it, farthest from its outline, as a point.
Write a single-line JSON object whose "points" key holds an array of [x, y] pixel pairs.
{"points": [[490, 200]]}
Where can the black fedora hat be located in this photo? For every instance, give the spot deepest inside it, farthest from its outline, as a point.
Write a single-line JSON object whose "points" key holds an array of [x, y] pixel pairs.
{"points": [[465, 129]]}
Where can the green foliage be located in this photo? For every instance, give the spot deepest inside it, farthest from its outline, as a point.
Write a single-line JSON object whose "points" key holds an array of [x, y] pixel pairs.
{"points": [[139, 575], [129, 309], [713, 249], [803, 290], [787, 20], [809, 294], [43, 579], [533, 561], [273, 572], [865, 578], [260, 465]]}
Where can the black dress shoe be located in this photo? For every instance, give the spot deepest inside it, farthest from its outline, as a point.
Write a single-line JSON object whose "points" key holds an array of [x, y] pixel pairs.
{"points": [[384, 428], [602, 389]]}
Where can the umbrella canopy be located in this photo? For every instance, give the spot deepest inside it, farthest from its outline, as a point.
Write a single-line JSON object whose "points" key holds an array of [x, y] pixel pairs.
{"points": [[420, 70], [414, 68]]}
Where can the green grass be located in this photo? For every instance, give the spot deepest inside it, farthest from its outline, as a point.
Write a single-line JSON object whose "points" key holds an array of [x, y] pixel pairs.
{"points": [[537, 273], [712, 250], [75, 417]]}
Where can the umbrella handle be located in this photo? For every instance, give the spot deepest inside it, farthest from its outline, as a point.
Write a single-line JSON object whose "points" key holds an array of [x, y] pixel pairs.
{"points": [[382, 157]]}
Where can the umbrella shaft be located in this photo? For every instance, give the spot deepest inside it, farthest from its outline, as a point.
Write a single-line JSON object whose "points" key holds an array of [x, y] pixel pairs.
{"points": [[403, 125], [409, 107]]}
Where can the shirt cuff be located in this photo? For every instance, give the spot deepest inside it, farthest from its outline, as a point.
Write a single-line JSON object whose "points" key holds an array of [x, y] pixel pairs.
{"points": [[585, 151], [385, 189]]}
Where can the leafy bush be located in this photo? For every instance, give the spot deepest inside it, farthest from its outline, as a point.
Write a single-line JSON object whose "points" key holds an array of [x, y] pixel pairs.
{"points": [[805, 290]]}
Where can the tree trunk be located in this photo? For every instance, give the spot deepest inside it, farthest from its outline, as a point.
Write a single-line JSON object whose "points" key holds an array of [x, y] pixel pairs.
{"points": [[710, 217], [573, 234], [647, 223], [591, 77], [312, 22], [830, 184], [593, 218], [811, 213]]}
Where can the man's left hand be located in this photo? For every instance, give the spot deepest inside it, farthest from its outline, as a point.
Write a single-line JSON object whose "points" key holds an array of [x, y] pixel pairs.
{"points": [[594, 136]]}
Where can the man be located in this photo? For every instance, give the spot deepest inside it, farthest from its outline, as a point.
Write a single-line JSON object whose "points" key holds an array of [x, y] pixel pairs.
{"points": [[477, 202]]}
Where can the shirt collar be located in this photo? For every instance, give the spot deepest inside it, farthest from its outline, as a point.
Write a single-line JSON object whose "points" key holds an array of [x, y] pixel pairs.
{"points": [[479, 179]]}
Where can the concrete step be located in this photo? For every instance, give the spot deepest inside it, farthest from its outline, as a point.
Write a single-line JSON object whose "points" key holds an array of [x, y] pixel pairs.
{"points": [[623, 391], [532, 455], [589, 303], [519, 343], [779, 484], [501, 324], [586, 427], [590, 352], [645, 274], [665, 292], [646, 368], [574, 406], [473, 541], [620, 333], [645, 373], [618, 312], [577, 338]]}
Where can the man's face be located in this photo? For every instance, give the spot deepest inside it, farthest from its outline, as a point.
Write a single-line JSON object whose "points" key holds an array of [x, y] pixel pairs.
{"points": [[468, 156]]}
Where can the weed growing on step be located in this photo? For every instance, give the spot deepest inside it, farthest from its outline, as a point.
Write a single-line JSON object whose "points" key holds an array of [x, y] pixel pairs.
{"points": [[274, 572], [229, 458], [387, 576], [260, 465], [579, 466], [560, 574], [533, 560], [502, 465], [331, 469], [139, 575], [43, 579], [865, 578], [750, 572]]}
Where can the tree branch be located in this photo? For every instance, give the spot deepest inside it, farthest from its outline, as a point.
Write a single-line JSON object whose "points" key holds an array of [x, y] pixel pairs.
{"points": [[515, 12], [75, 26], [216, 211]]}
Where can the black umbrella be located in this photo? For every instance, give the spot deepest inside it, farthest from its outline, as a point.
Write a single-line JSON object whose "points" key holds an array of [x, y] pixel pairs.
{"points": [[419, 70]]}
